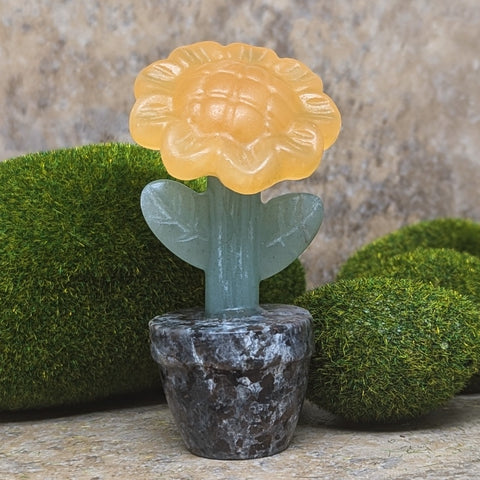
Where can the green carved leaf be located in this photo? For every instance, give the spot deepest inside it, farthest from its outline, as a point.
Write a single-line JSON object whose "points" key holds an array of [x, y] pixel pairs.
{"points": [[288, 225], [178, 217]]}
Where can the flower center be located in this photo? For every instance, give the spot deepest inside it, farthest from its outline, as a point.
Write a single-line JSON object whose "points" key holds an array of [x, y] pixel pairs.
{"points": [[237, 100]]}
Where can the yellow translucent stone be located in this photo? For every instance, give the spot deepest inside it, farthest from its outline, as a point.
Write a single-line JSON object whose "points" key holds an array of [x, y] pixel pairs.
{"points": [[236, 112]]}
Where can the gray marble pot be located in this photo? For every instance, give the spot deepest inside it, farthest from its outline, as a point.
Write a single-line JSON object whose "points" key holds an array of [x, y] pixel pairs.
{"points": [[235, 387]]}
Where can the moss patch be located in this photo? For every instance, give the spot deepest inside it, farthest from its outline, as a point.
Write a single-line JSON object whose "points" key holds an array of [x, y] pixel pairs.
{"points": [[458, 234], [442, 267], [389, 350], [82, 274], [397, 254]]}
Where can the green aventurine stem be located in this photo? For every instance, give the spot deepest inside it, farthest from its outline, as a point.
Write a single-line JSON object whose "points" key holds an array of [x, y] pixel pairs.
{"points": [[235, 239], [232, 275]]}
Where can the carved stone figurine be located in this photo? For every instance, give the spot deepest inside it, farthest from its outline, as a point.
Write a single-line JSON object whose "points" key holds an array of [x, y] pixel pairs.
{"points": [[234, 373]]}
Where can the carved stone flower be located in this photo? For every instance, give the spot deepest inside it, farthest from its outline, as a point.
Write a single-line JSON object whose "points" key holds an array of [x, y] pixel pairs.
{"points": [[236, 112]]}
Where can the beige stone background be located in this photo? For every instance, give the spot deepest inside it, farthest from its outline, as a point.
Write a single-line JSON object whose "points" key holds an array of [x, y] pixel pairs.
{"points": [[404, 73]]}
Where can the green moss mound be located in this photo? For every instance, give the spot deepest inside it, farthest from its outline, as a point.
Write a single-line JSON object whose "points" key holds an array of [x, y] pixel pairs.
{"points": [[389, 350], [396, 255], [458, 234], [82, 274], [442, 267]]}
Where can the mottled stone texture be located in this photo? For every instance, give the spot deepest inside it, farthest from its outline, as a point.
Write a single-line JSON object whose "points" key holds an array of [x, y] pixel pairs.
{"points": [[236, 387], [404, 74]]}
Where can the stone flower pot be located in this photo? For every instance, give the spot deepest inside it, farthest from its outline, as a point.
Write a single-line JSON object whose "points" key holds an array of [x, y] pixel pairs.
{"points": [[235, 387]]}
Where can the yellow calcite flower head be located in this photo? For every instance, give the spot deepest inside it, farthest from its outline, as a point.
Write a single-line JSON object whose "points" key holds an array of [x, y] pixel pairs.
{"points": [[236, 112]]}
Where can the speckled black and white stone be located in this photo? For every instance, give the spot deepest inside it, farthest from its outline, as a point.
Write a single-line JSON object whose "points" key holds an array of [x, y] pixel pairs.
{"points": [[235, 387]]}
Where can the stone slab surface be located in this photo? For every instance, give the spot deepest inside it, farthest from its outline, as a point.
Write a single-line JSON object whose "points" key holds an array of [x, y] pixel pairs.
{"points": [[142, 443]]}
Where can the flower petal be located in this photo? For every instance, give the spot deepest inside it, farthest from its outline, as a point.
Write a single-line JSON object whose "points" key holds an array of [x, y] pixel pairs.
{"points": [[242, 52], [156, 78], [197, 54], [326, 115], [149, 118]]}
